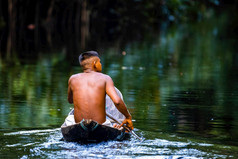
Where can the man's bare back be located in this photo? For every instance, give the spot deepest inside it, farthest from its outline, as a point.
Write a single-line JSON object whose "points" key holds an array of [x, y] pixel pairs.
{"points": [[87, 91], [89, 96]]}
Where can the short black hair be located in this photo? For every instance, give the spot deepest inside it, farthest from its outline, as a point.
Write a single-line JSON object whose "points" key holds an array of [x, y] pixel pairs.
{"points": [[86, 55]]}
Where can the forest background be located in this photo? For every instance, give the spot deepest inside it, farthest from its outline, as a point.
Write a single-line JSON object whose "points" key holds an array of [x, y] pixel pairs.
{"points": [[29, 28]]}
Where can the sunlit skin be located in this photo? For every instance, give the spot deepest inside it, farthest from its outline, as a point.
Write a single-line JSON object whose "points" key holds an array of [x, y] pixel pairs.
{"points": [[87, 92]]}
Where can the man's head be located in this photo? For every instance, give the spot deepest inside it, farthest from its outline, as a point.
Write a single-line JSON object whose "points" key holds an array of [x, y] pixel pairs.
{"points": [[90, 60]]}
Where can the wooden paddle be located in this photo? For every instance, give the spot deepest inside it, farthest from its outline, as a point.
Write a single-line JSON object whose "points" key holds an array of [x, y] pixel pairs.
{"points": [[131, 131]]}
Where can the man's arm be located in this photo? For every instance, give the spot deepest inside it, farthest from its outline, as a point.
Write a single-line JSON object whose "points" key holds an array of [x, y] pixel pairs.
{"points": [[70, 93], [119, 103]]}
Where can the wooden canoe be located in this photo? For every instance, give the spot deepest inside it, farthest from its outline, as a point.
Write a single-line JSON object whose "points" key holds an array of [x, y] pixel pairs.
{"points": [[88, 131]]}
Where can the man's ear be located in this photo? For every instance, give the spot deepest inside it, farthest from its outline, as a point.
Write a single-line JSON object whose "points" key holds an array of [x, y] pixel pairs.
{"points": [[98, 66]]}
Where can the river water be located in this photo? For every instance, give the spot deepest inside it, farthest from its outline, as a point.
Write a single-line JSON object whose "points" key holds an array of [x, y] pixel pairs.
{"points": [[180, 85]]}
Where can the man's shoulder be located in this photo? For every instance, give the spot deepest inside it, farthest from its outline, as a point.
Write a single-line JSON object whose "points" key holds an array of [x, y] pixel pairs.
{"points": [[75, 76], [103, 75]]}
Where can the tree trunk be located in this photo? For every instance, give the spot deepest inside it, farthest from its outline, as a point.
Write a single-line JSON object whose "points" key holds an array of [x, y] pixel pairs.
{"points": [[1, 35], [70, 19], [84, 24], [49, 23], [36, 33], [22, 33], [77, 23], [11, 31]]}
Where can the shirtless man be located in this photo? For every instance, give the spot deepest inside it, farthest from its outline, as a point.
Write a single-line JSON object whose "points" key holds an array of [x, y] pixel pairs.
{"points": [[87, 91]]}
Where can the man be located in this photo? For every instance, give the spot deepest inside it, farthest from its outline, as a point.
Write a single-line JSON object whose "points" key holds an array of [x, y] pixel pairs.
{"points": [[87, 91]]}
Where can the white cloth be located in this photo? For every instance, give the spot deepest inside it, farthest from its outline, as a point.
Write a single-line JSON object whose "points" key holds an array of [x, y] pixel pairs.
{"points": [[69, 120], [110, 109], [107, 123]]}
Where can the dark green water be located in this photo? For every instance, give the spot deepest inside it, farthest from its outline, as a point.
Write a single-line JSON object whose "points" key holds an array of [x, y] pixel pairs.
{"points": [[180, 85]]}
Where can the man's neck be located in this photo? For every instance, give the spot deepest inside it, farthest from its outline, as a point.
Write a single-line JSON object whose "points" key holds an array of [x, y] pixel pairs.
{"points": [[89, 70]]}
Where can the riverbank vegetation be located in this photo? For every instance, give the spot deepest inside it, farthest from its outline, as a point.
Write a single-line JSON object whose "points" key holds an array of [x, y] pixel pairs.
{"points": [[28, 28]]}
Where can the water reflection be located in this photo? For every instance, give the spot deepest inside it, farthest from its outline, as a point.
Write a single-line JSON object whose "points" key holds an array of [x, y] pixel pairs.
{"points": [[187, 85]]}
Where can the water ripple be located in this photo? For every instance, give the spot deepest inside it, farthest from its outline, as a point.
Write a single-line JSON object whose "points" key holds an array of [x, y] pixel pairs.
{"points": [[46, 144]]}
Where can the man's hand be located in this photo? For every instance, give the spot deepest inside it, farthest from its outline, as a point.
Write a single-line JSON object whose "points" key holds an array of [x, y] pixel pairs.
{"points": [[128, 123]]}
